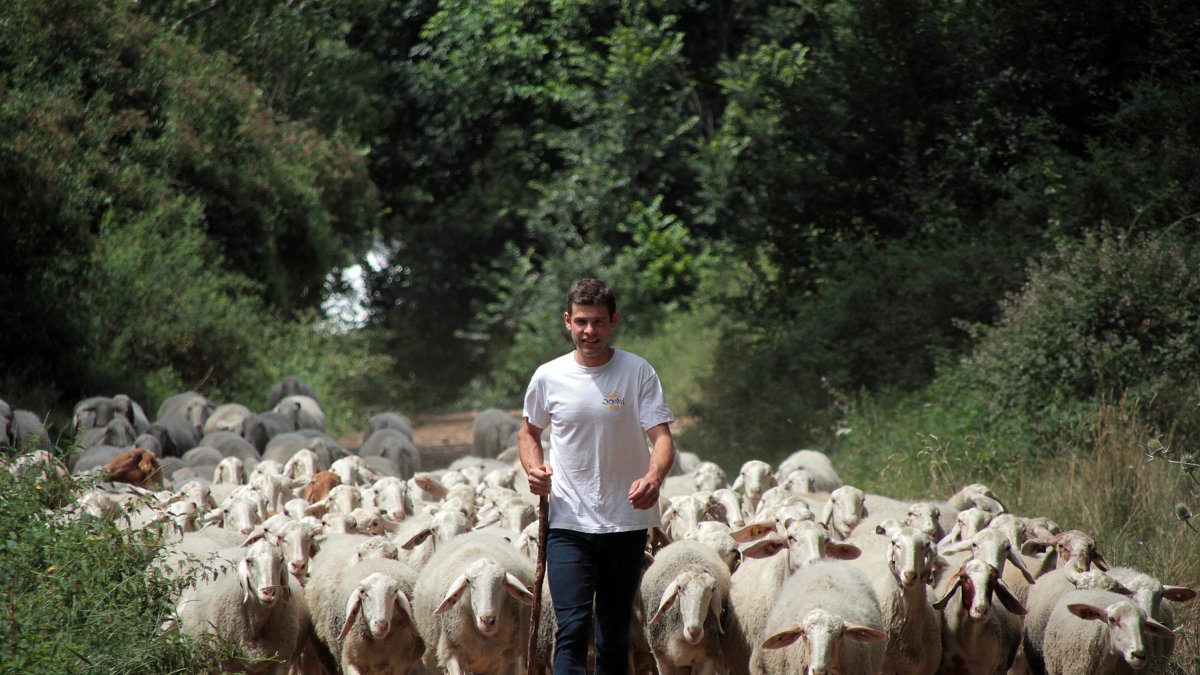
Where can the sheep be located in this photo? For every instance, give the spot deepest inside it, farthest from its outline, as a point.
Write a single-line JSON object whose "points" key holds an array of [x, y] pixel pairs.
{"points": [[391, 495], [753, 480], [136, 466], [966, 524], [1148, 593], [295, 539], [900, 577], [487, 633], [817, 464], [319, 485], [683, 515], [691, 577], [844, 510], [1076, 553], [756, 583], [420, 536], [397, 447], [367, 620], [1110, 639], [258, 607], [833, 607], [978, 638], [716, 536]]}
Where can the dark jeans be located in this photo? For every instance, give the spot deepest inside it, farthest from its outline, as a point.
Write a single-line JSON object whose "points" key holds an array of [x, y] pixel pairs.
{"points": [[604, 567]]}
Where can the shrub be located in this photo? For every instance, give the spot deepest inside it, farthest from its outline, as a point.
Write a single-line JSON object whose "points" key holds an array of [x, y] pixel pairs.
{"points": [[78, 596], [1114, 313]]}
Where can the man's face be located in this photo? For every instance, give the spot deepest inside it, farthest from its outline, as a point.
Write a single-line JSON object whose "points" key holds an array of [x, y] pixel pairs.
{"points": [[591, 328]]}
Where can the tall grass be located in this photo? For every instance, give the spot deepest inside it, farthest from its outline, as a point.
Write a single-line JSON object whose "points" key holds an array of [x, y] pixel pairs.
{"points": [[1098, 472]]}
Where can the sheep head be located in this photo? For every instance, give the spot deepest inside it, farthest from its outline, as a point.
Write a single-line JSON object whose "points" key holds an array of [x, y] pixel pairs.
{"points": [[694, 592], [1126, 626], [488, 582], [380, 601], [823, 632]]}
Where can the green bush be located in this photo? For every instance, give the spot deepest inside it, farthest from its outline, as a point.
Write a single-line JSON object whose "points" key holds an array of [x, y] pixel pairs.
{"points": [[1111, 315], [78, 596]]}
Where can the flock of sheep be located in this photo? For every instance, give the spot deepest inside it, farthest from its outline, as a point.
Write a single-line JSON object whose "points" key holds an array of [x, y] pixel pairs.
{"points": [[322, 559]]}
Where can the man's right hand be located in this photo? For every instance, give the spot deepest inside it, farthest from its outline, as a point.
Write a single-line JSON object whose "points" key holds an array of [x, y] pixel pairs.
{"points": [[539, 479]]}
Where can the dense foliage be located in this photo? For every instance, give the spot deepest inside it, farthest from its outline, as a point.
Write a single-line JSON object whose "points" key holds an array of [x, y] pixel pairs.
{"points": [[79, 596], [838, 197]]}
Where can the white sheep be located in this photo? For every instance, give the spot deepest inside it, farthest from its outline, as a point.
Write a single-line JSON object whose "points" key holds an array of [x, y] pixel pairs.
{"points": [[901, 566], [366, 620], [844, 510], [1076, 553], [487, 631], [1096, 632], [256, 605], [754, 478], [420, 536], [757, 582], [684, 593], [817, 464], [831, 606], [979, 638], [1148, 593], [966, 524]]}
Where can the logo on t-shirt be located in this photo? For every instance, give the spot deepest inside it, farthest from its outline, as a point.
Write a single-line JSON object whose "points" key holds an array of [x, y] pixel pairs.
{"points": [[614, 401]]}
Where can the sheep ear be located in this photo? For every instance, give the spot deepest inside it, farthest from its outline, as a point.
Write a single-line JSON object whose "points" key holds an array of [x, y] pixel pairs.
{"points": [[863, 633], [258, 533], [352, 607], [486, 518], [784, 638], [955, 547], [1088, 612], [827, 512], [764, 549], [1006, 598], [244, 578], [1035, 546], [668, 598], [416, 539], [1099, 561], [428, 483], [752, 532], [518, 589], [717, 607], [887, 527], [842, 551], [955, 535], [739, 483], [1156, 628], [1016, 560], [457, 588], [658, 538], [404, 605], [1178, 593], [956, 582], [389, 525]]}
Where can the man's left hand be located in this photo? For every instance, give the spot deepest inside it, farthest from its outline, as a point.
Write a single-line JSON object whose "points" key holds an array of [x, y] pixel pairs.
{"points": [[643, 494]]}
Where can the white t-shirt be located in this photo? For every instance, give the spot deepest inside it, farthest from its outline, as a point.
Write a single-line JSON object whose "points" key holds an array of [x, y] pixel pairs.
{"points": [[597, 419]]}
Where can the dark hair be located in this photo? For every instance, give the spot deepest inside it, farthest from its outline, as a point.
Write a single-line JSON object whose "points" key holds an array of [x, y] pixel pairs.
{"points": [[592, 292]]}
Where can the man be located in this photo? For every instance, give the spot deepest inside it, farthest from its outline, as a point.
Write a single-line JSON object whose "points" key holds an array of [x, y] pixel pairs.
{"points": [[600, 404]]}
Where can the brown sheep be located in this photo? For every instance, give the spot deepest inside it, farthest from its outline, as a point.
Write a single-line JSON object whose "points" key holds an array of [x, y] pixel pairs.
{"points": [[319, 485], [136, 466]]}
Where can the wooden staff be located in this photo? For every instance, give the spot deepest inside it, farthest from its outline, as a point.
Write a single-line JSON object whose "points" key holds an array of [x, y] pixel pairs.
{"points": [[539, 573]]}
